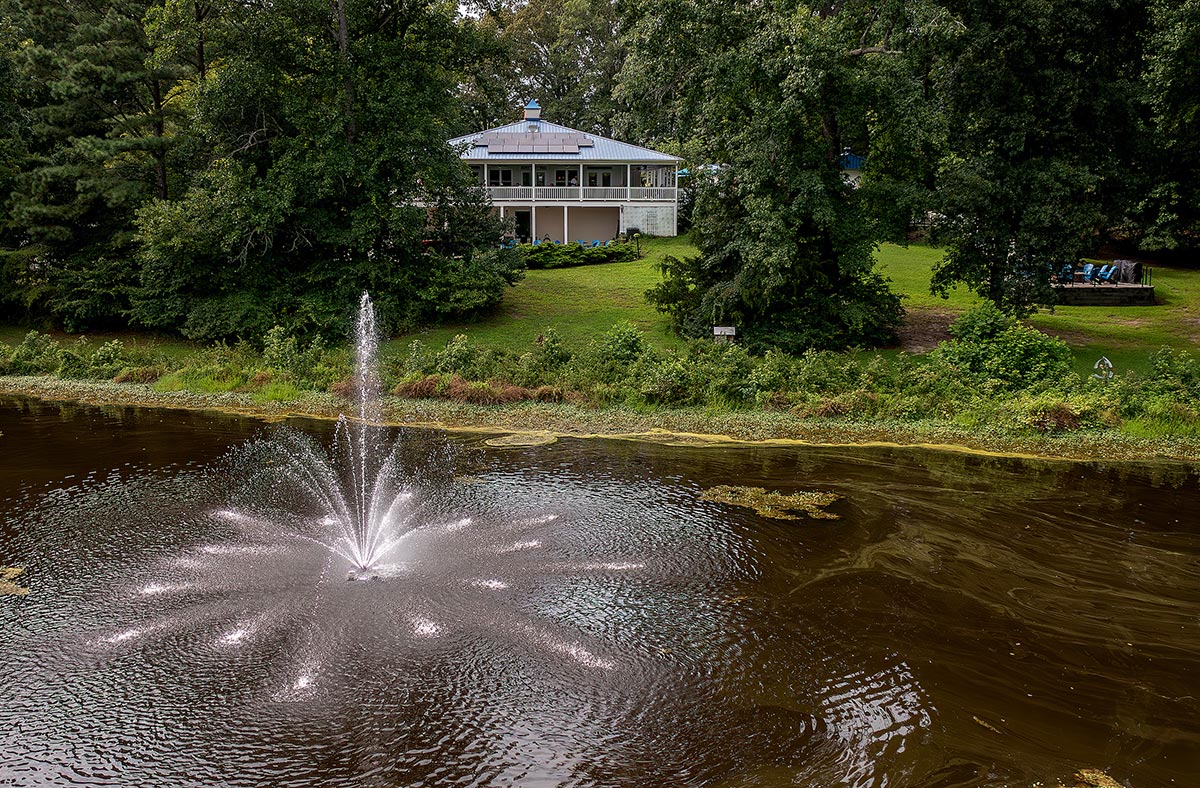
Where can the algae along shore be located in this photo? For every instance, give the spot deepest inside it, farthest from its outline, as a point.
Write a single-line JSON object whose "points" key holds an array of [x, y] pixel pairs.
{"points": [[696, 427]]}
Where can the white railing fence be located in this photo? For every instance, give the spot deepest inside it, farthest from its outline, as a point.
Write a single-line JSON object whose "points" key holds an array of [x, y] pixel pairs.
{"points": [[594, 193]]}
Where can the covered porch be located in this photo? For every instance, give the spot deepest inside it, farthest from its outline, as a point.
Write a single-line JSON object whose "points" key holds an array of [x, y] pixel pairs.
{"points": [[563, 224]]}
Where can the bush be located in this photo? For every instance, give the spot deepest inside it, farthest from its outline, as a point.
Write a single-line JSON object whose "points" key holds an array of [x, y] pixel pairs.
{"points": [[544, 363], [37, 354], [994, 349], [547, 255]]}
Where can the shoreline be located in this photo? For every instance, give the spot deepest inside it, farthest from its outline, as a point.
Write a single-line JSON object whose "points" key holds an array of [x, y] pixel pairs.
{"points": [[672, 427]]}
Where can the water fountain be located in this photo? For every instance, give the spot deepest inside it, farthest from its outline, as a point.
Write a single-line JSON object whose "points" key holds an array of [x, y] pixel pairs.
{"points": [[358, 485]]}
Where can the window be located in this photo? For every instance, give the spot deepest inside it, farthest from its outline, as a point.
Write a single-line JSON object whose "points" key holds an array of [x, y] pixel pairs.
{"points": [[560, 177], [498, 177]]}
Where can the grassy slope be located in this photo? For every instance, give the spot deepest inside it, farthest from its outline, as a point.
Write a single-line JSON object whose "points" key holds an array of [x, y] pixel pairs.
{"points": [[577, 302]]}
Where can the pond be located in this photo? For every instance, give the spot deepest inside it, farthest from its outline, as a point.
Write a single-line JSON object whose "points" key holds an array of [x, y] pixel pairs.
{"points": [[578, 614]]}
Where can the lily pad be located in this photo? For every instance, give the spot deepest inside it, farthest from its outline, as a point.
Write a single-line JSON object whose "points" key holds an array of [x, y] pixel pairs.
{"points": [[777, 505]]}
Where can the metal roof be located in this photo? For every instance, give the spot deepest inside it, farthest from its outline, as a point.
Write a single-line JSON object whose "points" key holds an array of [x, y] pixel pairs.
{"points": [[551, 142]]}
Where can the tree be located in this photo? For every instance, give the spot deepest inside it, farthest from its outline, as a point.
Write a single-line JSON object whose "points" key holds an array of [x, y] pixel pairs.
{"points": [[1172, 207], [98, 148], [766, 99], [567, 55], [1042, 112], [326, 159]]}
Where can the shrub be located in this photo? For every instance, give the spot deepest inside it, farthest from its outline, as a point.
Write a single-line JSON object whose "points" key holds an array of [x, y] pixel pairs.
{"points": [[73, 364], [544, 362], [281, 351], [109, 359], [459, 357], [992, 348], [37, 354], [1176, 371], [547, 255]]}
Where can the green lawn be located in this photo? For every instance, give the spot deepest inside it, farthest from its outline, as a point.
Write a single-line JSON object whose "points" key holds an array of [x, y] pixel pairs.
{"points": [[910, 269], [1127, 335], [578, 303], [582, 302]]}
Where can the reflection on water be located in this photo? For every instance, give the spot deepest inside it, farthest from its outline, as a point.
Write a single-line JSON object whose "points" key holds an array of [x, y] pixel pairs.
{"points": [[575, 614]]}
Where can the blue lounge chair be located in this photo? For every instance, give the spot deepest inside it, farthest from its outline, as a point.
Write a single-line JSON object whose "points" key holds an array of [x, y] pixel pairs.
{"points": [[1102, 274], [1087, 271], [1112, 275], [1066, 273], [595, 243]]}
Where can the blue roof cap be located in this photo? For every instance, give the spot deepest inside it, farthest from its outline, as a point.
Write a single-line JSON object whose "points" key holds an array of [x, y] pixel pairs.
{"points": [[533, 104]]}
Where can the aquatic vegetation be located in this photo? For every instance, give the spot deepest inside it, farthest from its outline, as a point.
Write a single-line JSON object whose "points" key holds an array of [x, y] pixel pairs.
{"points": [[7, 587], [777, 505]]}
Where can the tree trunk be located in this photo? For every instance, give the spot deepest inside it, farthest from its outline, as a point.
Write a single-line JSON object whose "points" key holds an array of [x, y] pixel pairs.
{"points": [[160, 152], [201, 15]]}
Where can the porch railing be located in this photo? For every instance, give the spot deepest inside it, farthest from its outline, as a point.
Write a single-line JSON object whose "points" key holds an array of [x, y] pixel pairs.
{"points": [[592, 193]]}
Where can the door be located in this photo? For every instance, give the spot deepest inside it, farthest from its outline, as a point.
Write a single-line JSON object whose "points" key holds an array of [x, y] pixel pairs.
{"points": [[523, 227]]}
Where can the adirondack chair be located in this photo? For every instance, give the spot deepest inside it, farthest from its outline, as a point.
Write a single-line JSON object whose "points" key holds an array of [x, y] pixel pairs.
{"points": [[1087, 271], [1112, 275], [1103, 274]]}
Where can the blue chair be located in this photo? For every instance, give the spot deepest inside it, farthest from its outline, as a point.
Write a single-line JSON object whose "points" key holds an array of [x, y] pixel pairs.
{"points": [[537, 241], [1087, 271], [1066, 273], [1112, 275], [595, 243], [579, 241], [1102, 274]]}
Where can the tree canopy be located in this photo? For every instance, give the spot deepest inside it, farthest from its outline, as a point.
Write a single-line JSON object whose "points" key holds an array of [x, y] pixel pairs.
{"points": [[212, 168]]}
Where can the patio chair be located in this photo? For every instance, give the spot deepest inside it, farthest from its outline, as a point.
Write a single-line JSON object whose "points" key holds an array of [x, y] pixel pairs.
{"points": [[1087, 271], [1066, 273], [1102, 274], [595, 243], [1112, 275]]}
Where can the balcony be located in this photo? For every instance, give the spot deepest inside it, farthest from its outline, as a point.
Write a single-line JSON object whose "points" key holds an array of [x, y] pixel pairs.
{"points": [[584, 194]]}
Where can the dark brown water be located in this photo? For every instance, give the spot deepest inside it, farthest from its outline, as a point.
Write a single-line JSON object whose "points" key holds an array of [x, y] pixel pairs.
{"points": [[575, 615]]}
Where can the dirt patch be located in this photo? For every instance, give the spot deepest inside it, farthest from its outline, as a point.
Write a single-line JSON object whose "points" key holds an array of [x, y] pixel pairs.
{"points": [[923, 329], [1070, 337]]}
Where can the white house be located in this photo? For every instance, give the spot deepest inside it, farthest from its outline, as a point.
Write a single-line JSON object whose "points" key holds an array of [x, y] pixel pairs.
{"points": [[563, 184]]}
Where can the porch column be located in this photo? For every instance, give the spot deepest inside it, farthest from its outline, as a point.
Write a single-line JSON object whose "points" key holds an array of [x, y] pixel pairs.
{"points": [[581, 182], [566, 227], [628, 181], [485, 175], [533, 222]]}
